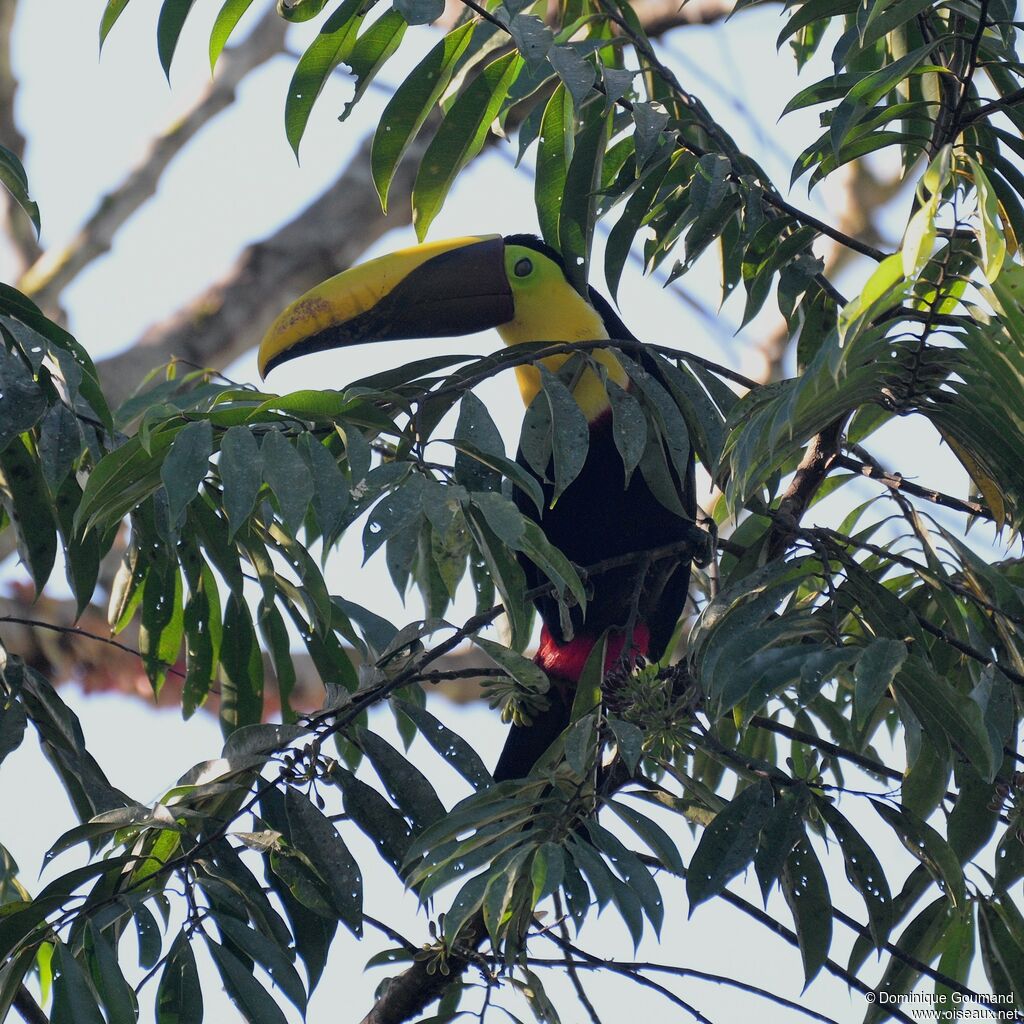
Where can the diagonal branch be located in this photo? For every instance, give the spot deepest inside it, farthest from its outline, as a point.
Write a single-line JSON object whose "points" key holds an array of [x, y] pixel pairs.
{"points": [[54, 270]]}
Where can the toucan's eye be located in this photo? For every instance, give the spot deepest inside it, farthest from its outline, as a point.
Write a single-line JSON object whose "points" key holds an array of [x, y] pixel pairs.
{"points": [[523, 267]]}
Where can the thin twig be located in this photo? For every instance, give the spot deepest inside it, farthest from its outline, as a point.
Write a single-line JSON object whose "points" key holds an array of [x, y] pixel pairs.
{"points": [[690, 972], [570, 964], [897, 482], [18, 620]]}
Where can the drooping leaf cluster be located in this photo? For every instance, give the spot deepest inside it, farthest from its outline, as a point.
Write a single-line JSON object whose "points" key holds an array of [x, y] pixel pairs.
{"points": [[816, 650]]}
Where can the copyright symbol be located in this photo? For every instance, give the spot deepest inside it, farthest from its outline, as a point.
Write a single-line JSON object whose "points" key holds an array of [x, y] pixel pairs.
{"points": [[870, 996]]}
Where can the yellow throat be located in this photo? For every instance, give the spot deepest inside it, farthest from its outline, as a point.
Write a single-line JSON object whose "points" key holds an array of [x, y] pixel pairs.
{"points": [[548, 308]]}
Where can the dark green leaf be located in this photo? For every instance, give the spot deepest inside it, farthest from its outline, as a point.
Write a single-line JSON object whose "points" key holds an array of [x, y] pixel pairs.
{"points": [[450, 745], [330, 48], [242, 664], [288, 477], [168, 30], [806, 892], [371, 52], [268, 954], [928, 847], [405, 784], [249, 996], [73, 999], [864, 871], [23, 402], [728, 844], [186, 465], [408, 108], [875, 670], [576, 72], [12, 176], [241, 473], [419, 12], [116, 996], [179, 997], [12, 726], [577, 214], [318, 839], [24, 497], [460, 137]]}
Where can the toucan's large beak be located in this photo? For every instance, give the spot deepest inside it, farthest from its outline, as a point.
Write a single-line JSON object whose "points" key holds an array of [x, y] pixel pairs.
{"points": [[435, 290]]}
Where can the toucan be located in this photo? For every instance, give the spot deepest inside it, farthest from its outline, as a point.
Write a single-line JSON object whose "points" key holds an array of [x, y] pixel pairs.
{"points": [[518, 284]]}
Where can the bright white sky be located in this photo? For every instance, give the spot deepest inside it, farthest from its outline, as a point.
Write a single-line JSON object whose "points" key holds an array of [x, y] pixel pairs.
{"points": [[88, 121]]}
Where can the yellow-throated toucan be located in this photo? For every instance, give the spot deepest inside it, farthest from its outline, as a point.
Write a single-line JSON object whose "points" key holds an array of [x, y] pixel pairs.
{"points": [[518, 285]]}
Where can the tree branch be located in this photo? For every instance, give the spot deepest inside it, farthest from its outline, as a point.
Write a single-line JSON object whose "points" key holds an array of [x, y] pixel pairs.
{"points": [[20, 230], [897, 482], [54, 270]]}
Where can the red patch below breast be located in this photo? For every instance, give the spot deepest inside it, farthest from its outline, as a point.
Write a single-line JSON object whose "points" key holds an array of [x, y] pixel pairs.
{"points": [[567, 661]]}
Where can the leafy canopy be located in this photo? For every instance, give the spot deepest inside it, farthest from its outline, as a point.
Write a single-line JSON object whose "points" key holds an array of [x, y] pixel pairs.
{"points": [[816, 650]]}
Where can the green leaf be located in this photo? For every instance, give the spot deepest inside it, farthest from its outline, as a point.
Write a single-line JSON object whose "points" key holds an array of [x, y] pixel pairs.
{"points": [[242, 664], [412, 102], [728, 844], [252, 1000], [111, 13], [168, 30], [864, 871], [570, 432], [533, 39], [330, 48], [394, 514], [405, 784], [553, 155], [204, 631], [186, 465], [806, 893], [298, 11], [371, 52], [330, 488], [946, 713], [179, 997], [577, 215], [73, 999], [24, 497], [289, 478], [241, 473], [782, 831], [476, 426], [526, 672], [163, 620], [629, 428], [116, 996], [387, 828], [268, 954], [990, 236], [318, 839], [420, 12], [12, 727], [460, 137], [928, 847], [59, 447], [23, 402], [14, 179], [576, 72], [620, 238], [449, 744], [876, 668], [227, 18]]}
